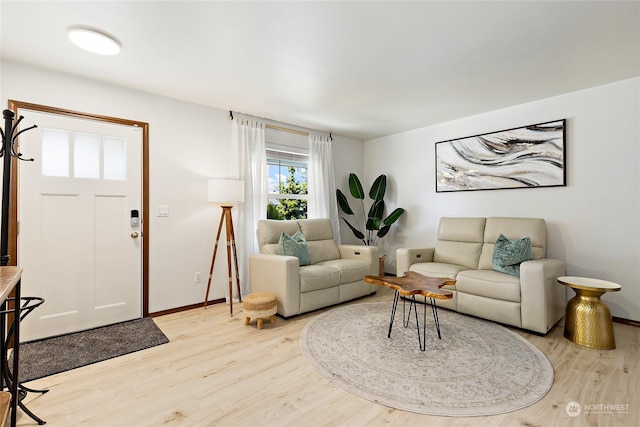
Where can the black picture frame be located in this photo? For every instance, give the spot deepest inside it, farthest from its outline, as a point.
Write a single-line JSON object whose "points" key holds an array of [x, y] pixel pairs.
{"points": [[530, 156]]}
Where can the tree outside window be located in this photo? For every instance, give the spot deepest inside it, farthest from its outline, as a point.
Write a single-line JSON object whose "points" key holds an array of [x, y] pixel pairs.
{"points": [[287, 189]]}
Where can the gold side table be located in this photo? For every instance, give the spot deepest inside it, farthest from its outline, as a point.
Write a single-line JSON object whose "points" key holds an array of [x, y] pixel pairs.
{"points": [[588, 320]]}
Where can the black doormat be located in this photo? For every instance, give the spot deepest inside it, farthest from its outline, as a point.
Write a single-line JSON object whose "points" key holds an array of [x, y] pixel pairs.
{"points": [[54, 355]]}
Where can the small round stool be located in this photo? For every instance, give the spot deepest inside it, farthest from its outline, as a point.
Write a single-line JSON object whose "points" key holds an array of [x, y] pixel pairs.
{"points": [[259, 305]]}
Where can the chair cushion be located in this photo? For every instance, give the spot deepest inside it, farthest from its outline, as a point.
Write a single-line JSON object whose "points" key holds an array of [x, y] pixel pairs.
{"points": [[513, 228], [295, 245], [508, 254], [351, 270], [470, 230], [317, 232], [461, 253], [316, 229], [323, 250], [269, 249], [437, 269], [315, 277], [459, 241], [489, 284], [319, 235], [270, 230]]}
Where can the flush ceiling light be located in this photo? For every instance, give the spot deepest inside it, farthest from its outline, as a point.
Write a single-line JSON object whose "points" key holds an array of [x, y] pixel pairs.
{"points": [[94, 40]]}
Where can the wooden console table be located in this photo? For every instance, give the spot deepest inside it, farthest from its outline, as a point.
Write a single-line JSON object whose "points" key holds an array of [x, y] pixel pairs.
{"points": [[9, 282]]}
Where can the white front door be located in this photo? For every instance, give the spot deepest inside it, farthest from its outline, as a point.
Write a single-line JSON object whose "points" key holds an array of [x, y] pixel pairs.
{"points": [[77, 245]]}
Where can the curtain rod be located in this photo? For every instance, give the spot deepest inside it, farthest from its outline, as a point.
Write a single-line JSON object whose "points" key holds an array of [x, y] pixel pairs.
{"points": [[283, 129]]}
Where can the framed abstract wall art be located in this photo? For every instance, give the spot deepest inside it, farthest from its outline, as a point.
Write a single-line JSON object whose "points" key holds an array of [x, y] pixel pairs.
{"points": [[526, 157]]}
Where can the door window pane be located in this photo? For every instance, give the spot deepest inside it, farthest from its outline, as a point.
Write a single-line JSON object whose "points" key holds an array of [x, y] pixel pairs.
{"points": [[114, 158], [55, 153], [86, 156]]}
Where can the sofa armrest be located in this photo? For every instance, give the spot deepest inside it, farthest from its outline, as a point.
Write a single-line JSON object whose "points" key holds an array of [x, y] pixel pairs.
{"points": [[366, 253], [279, 275], [543, 301], [405, 257]]}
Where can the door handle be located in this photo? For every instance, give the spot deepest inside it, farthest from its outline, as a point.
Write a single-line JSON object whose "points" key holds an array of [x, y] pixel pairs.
{"points": [[134, 235]]}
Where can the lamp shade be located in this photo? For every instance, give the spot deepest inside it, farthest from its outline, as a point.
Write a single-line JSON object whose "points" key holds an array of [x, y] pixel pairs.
{"points": [[226, 190]]}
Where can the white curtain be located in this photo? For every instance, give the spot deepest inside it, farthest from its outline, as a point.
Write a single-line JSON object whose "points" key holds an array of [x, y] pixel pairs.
{"points": [[249, 141], [321, 183]]}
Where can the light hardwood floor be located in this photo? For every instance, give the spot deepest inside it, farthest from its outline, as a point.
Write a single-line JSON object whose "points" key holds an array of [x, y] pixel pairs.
{"points": [[218, 372]]}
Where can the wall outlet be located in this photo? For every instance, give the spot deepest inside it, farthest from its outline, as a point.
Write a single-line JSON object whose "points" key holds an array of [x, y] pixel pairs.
{"points": [[198, 277]]}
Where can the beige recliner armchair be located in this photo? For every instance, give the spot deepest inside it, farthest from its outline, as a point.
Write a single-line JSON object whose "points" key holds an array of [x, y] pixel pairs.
{"points": [[333, 276]]}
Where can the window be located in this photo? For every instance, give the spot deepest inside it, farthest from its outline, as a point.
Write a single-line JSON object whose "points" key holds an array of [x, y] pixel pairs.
{"points": [[55, 153], [114, 158], [86, 156], [70, 154], [287, 192]]}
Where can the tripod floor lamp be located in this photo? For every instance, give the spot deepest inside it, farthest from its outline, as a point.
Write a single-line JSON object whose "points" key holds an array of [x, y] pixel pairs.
{"points": [[226, 192]]}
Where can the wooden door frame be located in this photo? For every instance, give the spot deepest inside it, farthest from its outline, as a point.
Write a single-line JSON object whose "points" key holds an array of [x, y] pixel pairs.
{"points": [[16, 106]]}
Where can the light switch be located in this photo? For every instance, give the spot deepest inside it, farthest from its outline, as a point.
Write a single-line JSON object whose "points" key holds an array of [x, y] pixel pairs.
{"points": [[162, 210]]}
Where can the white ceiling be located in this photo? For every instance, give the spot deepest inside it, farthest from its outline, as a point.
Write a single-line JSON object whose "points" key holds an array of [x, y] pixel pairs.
{"points": [[359, 69]]}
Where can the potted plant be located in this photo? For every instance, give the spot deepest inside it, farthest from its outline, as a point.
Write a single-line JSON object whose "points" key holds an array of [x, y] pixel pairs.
{"points": [[376, 225]]}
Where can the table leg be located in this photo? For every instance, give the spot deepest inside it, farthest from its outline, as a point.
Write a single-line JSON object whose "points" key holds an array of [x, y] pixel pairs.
{"points": [[22, 307], [434, 309], [422, 340], [16, 356], [406, 318], [3, 349], [393, 312], [421, 343]]}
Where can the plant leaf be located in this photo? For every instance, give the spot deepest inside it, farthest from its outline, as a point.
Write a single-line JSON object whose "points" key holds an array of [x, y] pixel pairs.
{"points": [[376, 211], [355, 187], [383, 231], [356, 232], [373, 224], [393, 217], [378, 188], [343, 202]]}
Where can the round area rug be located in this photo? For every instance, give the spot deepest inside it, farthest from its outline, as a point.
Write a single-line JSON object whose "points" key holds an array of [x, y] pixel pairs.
{"points": [[477, 368]]}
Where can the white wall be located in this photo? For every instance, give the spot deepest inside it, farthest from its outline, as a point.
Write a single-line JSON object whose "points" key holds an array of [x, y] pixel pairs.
{"points": [[347, 158], [189, 143], [593, 223]]}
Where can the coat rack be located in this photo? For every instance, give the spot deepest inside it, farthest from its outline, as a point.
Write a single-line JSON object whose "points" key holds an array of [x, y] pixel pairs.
{"points": [[9, 140], [10, 334]]}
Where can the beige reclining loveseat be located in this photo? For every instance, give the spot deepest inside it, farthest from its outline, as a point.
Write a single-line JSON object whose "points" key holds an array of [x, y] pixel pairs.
{"points": [[333, 276], [533, 301]]}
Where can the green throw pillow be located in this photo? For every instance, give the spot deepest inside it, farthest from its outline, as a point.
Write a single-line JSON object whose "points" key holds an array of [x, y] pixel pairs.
{"points": [[509, 253], [295, 245]]}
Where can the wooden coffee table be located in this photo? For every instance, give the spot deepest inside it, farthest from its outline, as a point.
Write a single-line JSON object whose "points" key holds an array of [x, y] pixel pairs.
{"points": [[410, 285]]}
